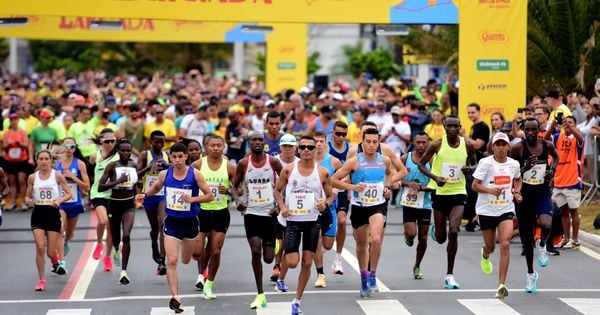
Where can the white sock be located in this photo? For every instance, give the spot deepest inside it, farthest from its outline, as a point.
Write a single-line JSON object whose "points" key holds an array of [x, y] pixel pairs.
{"points": [[338, 256], [296, 301]]}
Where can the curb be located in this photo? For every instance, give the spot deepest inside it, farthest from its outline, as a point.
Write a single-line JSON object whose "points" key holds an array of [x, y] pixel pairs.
{"points": [[590, 240]]}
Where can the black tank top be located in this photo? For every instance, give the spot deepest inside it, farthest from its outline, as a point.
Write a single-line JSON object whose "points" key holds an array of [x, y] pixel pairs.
{"points": [[541, 159]]}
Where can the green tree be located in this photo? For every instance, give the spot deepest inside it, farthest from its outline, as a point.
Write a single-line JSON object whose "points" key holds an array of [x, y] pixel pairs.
{"points": [[379, 63], [441, 43], [312, 63]]}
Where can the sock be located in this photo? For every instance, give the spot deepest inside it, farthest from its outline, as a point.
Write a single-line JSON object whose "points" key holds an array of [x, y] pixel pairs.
{"points": [[208, 284], [296, 301], [373, 273], [54, 259], [338, 256], [320, 270], [364, 274]]}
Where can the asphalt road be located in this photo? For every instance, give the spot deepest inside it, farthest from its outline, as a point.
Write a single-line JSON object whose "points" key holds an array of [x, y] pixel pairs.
{"points": [[569, 285]]}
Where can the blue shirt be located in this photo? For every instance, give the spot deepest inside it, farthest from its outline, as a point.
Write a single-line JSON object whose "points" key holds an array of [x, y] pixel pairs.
{"points": [[189, 182]]}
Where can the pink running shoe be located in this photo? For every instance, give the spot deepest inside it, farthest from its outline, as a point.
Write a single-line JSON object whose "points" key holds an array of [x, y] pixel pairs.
{"points": [[107, 263], [98, 251]]}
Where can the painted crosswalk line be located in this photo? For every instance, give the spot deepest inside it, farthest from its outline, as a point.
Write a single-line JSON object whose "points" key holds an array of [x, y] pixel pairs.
{"points": [[382, 307], [487, 307]]}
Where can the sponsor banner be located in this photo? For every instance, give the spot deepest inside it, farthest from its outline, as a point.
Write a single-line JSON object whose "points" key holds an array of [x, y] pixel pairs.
{"points": [[261, 11], [135, 30], [493, 56], [286, 57]]}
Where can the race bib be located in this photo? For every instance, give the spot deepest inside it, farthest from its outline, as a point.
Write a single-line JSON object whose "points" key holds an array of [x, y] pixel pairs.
{"points": [[372, 195], [43, 196], [119, 172], [73, 190], [174, 199], [451, 172], [302, 203], [503, 182], [150, 180], [412, 200], [260, 194], [14, 153], [214, 191], [44, 146], [535, 175]]}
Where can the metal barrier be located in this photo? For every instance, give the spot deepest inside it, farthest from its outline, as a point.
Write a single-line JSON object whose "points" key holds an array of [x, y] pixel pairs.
{"points": [[594, 188]]}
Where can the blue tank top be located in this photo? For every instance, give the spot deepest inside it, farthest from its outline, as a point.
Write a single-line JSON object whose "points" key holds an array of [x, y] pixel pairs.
{"points": [[340, 155], [328, 130], [272, 146], [326, 163], [76, 199], [414, 175], [298, 130], [369, 172], [174, 205]]}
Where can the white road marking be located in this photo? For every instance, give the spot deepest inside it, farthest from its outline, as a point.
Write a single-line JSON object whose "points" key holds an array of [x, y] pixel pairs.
{"points": [[187, 310], [70, 311], [589, 252], [382, 307], [487, 307], [584, 306], [353, 261], [85, 278], [276, 308]]}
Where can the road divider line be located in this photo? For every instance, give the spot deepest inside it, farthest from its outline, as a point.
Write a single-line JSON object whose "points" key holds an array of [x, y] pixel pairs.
{"points": [[382, 307], [487, 306]]}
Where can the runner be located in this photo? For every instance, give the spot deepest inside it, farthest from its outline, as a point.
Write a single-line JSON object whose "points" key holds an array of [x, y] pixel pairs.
{"points": [[328, 217], [370, 172], [100, 199], [181, 184], [308, 193], [416, 201], [43, 195], [214, 217], [258, 172], [451, 152], [151, 163], [273, 134], [339, 148], [120, 177], [497, 180], [287, 145], [3, 188], [75, 172], [194, 151], [533, 155]]}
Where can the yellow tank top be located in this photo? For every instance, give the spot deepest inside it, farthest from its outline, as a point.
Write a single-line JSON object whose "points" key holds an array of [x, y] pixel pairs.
{"points": [[214, 179], [447, 163]]}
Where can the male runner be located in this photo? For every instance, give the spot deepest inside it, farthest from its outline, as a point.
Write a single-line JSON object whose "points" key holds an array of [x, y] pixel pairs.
{"points": [[452, 153], [308, 193], [181, 184], [416, 201], [258, 172], [214, 217], [534, 155], [497, 180]]}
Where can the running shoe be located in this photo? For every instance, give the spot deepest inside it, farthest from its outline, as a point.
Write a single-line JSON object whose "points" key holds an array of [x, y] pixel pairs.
{"points": [[280, 286], [41, 286], [532, 281], [207, 291], [417, 273], [575, 245], [67, 248], [450, 283], [98, 251], [296, 309], [373, 284], [259, 302], [62, 268], [321, 281], [275, 273], [200, 282], [54, 267], [432, 232], [161, 270], [543, 259], [566, 244], [364, 287], [553, 251], [409, 242], [117, 258], [123, 279], [175, 305], [107, 263], [486, 264], [338, 267], [502, 291], [11, 206]]}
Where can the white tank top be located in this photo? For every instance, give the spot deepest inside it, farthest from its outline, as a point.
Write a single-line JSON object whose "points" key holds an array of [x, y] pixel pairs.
{"points": [[259, 185], [45, 191], [303, 193]]}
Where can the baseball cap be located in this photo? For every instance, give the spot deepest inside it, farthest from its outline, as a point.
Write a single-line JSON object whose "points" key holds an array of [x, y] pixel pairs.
{"points": [[287, 139], [13, 116], [396, 110], [45, 114], [327, 109], [500, 137]]}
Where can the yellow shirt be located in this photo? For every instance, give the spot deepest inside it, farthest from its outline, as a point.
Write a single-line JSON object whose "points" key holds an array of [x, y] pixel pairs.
{"points": [[560, 109], [435, 131], [109, 125], [30, 123], [353, 133], [167, 127]]}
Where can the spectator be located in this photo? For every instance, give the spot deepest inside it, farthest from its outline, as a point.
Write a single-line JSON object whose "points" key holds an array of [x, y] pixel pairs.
{"points": [[161, 123], [16, 144], [554, 100], [83, 131], [358, 116], [236, 137], [380, 116], [435, 130], [195, 126], [396, 133], [480, 132]]}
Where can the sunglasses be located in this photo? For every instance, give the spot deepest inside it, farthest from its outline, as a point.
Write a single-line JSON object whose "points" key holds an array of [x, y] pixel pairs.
{"points": [[341, 134], [304, 147], [69, 146], [107, 141]]}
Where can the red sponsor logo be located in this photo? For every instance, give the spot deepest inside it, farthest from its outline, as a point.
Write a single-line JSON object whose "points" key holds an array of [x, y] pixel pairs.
{"points": [[487, 37], [501, 180], [488, 110], [83, 23]]}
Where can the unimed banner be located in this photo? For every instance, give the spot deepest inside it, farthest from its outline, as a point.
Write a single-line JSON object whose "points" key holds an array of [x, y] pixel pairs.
{"points": [[286, 57], [493, 55]]}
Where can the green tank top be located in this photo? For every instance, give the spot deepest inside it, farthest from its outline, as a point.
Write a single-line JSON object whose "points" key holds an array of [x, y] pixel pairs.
{"points": [[447, 163], [213, 179], [101, 164]]}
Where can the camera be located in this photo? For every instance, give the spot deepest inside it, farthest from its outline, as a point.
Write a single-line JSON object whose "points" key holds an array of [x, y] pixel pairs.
{"points": [[559, 118]]}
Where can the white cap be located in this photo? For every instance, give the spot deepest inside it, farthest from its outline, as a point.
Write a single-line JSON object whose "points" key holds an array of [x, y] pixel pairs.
{"points": [[338, 97], [500, 136], [287, 139]]}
